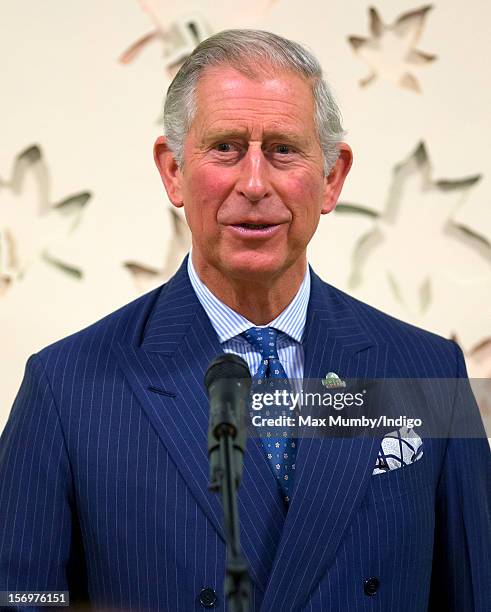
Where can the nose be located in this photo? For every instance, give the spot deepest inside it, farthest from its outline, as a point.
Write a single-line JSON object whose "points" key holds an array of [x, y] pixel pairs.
{"points": [[253, 181]]}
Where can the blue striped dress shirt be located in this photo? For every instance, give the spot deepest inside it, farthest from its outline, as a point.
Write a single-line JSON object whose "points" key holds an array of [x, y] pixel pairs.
{"points": [[229, 324]]}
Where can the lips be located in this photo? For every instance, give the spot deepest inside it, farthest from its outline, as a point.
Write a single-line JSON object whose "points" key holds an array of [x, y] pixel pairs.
{"points": [[255, 230], [254, 226]]}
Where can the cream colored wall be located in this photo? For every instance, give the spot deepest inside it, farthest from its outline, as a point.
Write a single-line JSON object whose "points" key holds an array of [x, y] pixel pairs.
{"points": [[418, 249]]}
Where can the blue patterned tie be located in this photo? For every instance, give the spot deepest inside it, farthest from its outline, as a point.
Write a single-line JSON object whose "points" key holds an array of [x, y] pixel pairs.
{"points": [[281, 451]]}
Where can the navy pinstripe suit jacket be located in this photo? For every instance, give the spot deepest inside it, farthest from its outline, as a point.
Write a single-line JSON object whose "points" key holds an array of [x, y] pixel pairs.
{"points": [[104, 474]]}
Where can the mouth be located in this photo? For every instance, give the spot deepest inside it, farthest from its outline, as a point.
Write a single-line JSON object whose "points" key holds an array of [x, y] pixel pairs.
{"points": [[255, 225], [257, 230]]}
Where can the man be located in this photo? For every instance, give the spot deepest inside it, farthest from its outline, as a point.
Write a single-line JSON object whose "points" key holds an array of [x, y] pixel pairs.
{"points": [[103, 463]]}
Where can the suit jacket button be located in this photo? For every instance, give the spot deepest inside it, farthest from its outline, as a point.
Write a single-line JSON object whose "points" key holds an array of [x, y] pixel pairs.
{"points": [[371, 585], [207, 597]]}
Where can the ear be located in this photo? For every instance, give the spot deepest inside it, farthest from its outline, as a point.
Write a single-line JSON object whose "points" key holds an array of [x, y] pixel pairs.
{"points": [[334, 182], [169, 172]]}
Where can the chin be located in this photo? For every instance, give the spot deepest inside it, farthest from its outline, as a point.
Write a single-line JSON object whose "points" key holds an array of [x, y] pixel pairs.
{"points": [[253, 266]]}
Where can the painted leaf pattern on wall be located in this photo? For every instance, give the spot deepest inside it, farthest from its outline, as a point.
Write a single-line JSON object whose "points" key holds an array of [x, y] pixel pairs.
{"points": [[147, 277], [178, 39], [30, 223], [391, 50], [418, 220]]}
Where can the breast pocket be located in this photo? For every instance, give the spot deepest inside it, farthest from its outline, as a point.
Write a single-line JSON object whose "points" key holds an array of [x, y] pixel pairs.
{"points": [[411, 479]]}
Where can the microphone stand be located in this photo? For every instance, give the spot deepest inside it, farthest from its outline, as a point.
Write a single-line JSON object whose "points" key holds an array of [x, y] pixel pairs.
{"points": [[227, 437]]}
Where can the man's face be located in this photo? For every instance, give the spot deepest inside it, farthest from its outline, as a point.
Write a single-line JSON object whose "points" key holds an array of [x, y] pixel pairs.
{"points": [[252, 181]]}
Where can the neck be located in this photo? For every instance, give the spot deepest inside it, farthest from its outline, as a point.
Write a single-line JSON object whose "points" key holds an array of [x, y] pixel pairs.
{"points": [[260, 300]]}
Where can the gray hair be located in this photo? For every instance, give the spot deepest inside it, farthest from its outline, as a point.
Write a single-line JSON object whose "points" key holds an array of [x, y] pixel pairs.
{"points": [[249, 52]]}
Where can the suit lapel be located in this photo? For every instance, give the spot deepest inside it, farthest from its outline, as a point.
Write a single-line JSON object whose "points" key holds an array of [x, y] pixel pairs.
{"points": [[331, 473], [166, 370]]}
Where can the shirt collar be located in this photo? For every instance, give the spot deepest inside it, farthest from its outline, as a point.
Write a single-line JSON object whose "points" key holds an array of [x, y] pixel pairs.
{"points": [[228, 323]]}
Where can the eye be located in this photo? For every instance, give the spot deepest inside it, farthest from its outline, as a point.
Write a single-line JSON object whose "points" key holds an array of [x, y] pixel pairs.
{"points": [[283, 149], [225, 147], [227, 152]]}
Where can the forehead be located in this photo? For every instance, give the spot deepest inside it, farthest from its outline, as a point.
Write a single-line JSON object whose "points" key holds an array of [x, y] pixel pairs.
{"points": [[273, 101]]}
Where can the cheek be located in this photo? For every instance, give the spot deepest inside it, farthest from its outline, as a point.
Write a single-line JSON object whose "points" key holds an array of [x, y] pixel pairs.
{"points": [[305, 195], [204, 193], [208, 183]]}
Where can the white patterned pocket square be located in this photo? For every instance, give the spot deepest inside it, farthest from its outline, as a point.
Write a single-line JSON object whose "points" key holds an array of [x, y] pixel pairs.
{"points": [[397, 449]]}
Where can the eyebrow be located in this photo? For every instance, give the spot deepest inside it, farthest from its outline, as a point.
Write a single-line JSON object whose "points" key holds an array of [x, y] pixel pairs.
{"points": [[281, 135]]}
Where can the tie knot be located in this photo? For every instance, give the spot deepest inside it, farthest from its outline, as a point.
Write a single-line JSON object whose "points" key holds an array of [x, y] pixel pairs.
{"points": [[263, 339]]}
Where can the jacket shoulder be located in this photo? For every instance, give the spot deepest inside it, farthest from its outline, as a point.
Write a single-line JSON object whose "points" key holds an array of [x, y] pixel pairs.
{"points": [[413, 344], [384, 326]]}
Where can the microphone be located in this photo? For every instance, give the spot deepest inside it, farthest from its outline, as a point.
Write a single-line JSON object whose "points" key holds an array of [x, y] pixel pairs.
{"points": [[228, 382]]}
